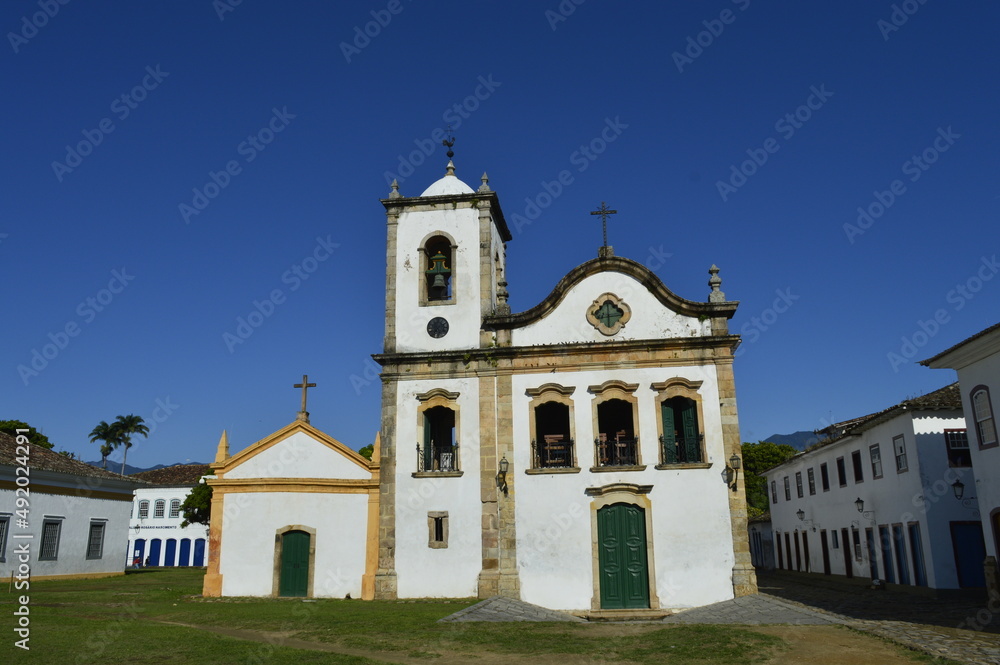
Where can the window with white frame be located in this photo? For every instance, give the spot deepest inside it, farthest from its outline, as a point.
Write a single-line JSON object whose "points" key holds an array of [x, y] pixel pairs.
{"points": [[159, 508], [51, 530], [957, 443], [811, 473], [982, 411], [876, 458], [95, 540], [788, 490], [798, 484], [143, 509], [175, 507], [899, 448]]}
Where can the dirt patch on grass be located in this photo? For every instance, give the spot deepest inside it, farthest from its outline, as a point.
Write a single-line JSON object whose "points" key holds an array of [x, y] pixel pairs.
{"points": [[833, 645]]}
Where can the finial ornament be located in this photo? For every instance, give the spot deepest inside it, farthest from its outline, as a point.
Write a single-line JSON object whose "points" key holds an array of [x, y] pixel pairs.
{"points": [[485, 187], [394, 194], [222, 453], [449, 142], [450, 170], [715, 282], [503, 308], [606, 250]]}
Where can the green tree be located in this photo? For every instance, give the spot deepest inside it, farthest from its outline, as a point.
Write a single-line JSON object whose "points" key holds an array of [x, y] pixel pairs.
{"points": [[197, 507], [34, 436], [757, 458], [127, 427], [367, 451], [109, 435]]}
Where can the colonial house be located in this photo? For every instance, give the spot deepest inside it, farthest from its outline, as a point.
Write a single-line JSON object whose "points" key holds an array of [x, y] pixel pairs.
{"points": [[71, 517], [977, 361], [156, 537], [580, 455], [876, 499]]}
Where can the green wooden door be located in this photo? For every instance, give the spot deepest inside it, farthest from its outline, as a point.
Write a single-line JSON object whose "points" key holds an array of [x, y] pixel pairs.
{"points": [[294, 564], [624, 579]]}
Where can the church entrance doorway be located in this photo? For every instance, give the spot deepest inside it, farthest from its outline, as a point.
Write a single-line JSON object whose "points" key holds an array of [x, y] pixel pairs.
{"points": [[624, 576], [294, 580]]}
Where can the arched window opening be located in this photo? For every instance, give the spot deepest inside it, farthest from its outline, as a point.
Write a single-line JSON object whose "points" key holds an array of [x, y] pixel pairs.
{"points": [[143, 509], [159, 508], [175, 507], [617, 444], [440, 449], [553, 445], [681, 440], [438, 273]]}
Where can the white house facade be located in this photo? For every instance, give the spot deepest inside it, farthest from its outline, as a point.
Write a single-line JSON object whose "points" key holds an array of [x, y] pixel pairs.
{"points": [[71, 517], [551, 455], [876, 499], [156, 537], [977, 361]]}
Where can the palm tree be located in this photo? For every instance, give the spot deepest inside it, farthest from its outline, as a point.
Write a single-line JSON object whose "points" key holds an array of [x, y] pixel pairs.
{"points": [[126, 427], [109, 435]]}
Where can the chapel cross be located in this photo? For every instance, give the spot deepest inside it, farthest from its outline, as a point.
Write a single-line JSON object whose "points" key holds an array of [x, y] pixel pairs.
{"points": [[305, 385], [603, 211]]}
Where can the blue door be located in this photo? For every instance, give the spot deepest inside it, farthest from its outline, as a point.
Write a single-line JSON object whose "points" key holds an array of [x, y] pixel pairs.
{"points": [[970, 550], [139, 551], [199, 552], [185, 558], [169, 558], [154, 552]]}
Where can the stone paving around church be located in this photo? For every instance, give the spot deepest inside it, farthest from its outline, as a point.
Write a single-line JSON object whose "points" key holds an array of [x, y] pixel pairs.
{"points": [[956, 625]]}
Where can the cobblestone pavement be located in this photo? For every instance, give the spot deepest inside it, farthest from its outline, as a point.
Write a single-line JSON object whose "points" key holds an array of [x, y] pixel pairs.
{"points": [[505, 609]]}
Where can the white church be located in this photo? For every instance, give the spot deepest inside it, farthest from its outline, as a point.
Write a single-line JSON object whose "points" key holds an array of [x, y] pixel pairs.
{"points": [[581, 455]]}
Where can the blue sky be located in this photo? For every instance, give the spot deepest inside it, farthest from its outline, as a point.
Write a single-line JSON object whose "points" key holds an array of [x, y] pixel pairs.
{"points": [[169, 164]]}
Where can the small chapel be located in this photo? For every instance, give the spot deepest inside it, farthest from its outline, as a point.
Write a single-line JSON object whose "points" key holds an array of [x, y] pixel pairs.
{"points": [[581, 455]]}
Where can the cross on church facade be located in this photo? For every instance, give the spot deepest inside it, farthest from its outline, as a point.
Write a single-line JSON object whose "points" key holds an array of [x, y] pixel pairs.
{"points": [[604, 211], [305, 385]]}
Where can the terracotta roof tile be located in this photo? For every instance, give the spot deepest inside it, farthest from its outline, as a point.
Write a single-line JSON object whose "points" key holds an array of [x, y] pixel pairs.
{"points": [[179, 474], [43, 459]]}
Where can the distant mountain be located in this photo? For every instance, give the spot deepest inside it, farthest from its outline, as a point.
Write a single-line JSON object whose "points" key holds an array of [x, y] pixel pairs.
{"points": [[797, 440], [129, 469]]}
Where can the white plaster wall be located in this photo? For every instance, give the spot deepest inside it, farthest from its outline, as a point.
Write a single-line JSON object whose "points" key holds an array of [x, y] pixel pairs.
{"points": [[299, 456], [77, 511], [164, 528], [252, 519], [986, 462], [423, 572], [692, 542], [921, 494], [464, 314], [568, 321]]}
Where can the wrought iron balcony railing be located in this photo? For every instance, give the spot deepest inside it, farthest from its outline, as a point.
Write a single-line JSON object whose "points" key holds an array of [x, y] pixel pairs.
{"points": [[681, 450], [437, 458], [619, 451], [552, 454]]}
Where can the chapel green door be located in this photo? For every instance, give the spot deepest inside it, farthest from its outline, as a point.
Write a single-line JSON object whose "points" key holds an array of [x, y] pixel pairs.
{"points": [[624, 579], [294, 564]]}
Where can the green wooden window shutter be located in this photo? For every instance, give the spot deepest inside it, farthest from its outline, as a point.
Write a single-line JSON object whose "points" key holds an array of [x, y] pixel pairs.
{"points": [[669, 439], [689, 420]]}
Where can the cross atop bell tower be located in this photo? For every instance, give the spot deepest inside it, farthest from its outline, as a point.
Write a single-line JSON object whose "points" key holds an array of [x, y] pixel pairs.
{"points": [[303, 415]]}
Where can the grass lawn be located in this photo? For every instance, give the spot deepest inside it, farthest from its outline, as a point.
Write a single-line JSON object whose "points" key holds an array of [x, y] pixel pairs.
{"points": [[158, 616]]}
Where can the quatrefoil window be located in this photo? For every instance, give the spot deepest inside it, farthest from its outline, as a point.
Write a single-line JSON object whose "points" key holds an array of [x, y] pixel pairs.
{"points": [[608, 314]]}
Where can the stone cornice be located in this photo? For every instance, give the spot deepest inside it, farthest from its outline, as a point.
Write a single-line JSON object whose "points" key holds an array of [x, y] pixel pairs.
{"points": [[475, 197], [637, 271]]}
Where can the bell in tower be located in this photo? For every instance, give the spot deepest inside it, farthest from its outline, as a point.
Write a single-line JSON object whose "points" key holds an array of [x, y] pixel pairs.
{"points": [[438, 278]]}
